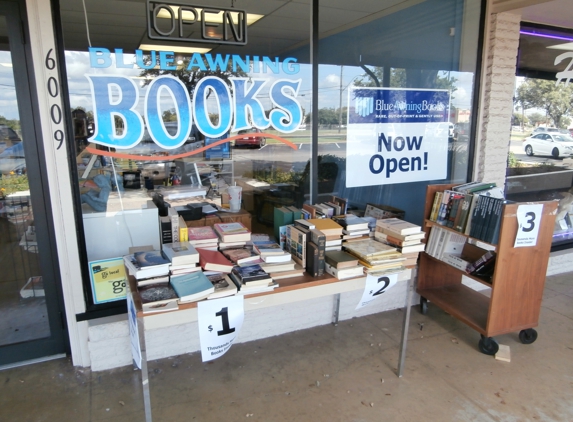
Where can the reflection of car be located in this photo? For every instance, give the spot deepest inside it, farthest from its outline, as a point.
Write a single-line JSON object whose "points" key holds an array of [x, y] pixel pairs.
{"points": [[12, 159], [462, 131], [253, 139], [554, 144], [444, 128]]}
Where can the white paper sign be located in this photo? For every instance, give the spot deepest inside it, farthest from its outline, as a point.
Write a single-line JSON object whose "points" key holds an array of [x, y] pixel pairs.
{"points": [[528, 220], [133, 334], [376, 285], [396, 136], [220, 322]]}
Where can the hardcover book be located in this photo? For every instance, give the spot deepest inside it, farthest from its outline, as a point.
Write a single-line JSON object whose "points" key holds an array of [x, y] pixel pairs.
{"points": [[214, 261], [327, 226], [250, 273], [181, 253], [240, 256], [232, 232], [351, 222], [268, 248], [340, 259], [155, 294], [367, 249], [398, 226], [203, 234], [192, 287]]}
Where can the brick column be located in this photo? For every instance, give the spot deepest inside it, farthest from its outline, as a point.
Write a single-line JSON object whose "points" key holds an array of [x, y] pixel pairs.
{"points": [[496, 105]]}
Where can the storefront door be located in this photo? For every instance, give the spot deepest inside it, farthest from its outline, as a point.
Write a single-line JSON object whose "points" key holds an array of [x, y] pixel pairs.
{"points": [[30, 318]]}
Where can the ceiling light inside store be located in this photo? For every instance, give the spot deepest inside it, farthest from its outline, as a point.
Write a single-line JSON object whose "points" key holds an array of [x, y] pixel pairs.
{"points": [[211, 17], [174, 48]]}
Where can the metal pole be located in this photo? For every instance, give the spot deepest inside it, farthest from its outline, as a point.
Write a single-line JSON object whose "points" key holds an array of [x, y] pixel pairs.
{"points": [[405, 325]]}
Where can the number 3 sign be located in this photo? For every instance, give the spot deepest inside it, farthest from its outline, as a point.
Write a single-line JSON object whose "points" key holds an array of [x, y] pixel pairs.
{"points": [[376, 285], [219, 322], [528, 220]]}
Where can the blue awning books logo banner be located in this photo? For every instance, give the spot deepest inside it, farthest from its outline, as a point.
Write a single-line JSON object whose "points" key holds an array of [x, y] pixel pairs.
{"points": [[398, 135]]}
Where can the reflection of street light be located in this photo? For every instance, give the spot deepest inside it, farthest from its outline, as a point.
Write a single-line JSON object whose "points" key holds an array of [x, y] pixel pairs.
{"points": [[305, 110]]}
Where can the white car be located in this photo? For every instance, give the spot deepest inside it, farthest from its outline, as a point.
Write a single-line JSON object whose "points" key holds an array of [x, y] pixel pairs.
{"points": [[555, 144]]}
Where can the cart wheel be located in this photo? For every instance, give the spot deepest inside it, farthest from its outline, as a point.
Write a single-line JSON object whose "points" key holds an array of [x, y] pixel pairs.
{"points": [[488, 346], [423, 305], [528, 336]]}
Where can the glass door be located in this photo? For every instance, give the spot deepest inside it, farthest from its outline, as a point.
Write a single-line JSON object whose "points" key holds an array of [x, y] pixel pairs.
{"points": [[31, 322]]}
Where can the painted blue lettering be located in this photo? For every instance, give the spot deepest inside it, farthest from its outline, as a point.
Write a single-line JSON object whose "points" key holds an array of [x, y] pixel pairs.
{"points": [[269, 64], [218, 62], [404, 164], [245, 97], [222, 95], [243, 64], [166, 59], [99, 57], [288, 116], [196, 61], [153, 114], [290, 66], [119, 62], [122, 104], [141, 63]]}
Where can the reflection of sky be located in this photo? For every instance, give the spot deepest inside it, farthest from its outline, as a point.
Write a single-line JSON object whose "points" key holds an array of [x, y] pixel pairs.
{"points": [[8, 105]]}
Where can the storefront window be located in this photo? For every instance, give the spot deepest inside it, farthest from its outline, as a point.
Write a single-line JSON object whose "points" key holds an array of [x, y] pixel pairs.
{"points": [[539, 164], [399, 58], [170, 113]]}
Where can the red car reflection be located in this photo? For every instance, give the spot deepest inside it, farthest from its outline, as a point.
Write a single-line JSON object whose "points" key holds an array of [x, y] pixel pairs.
{"points": [[252, 138]]}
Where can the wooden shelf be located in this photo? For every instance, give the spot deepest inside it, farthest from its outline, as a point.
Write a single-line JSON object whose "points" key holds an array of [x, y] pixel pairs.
{"points": [[467, 305], [517, 282], [428, 224]]}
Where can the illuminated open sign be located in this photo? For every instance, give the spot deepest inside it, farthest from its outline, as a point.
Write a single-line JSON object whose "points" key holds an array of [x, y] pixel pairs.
{"points": [[202, 24]]}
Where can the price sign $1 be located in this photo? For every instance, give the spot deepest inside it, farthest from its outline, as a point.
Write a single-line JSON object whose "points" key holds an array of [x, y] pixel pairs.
{"points": [[220, 322]]}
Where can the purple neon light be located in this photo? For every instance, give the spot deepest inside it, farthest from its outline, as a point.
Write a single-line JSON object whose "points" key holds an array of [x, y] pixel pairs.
{"points": [[537, 34]]}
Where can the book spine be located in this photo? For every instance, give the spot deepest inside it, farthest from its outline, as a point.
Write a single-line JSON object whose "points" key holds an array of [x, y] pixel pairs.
{"points": [[462, 216], [436, 205], [494, 221], [312, 259], [441, 217], [174, 224]]}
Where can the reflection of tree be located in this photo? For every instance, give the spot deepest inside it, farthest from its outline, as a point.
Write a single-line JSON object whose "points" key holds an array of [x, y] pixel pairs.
{"points": [[328, 116], [191, 77], [13, 124], [557, 101], [409, 78]]}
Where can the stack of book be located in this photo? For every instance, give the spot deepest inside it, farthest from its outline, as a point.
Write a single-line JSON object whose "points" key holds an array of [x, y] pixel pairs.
{"points": [[271, 252], [147, 265], [353, 227], [374, 255], [232, 234], [445, 242], [203, 237], [244, 255], [183, 256], [332, 231], [282, 270], [404, 236], [192, 287], [252, 279], [283, 216], [342, 265], [222, 285], [295, 244], [157, 297]]}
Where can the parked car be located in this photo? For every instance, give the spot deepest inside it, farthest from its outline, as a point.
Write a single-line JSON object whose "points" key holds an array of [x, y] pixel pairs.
{"points": [[542, 129], [555, 144], [252, 138]]}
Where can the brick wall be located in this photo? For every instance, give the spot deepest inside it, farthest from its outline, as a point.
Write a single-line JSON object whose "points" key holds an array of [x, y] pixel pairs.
{"points": [[497, 97]]}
